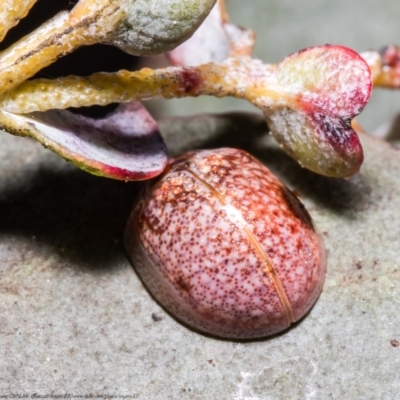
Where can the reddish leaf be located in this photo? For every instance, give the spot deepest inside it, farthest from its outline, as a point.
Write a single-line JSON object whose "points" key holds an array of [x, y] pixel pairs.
{"points": [[326, 145], [323, 88], [334, 79]]}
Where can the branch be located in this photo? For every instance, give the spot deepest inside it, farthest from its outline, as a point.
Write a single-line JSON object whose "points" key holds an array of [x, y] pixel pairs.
{"points": [[229, 78]]}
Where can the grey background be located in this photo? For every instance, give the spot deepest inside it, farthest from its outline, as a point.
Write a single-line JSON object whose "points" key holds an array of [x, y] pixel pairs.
{"points": [[76, 320]]}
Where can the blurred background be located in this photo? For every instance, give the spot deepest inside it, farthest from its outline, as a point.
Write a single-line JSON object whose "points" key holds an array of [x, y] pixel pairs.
{"points": [[282, 27]]}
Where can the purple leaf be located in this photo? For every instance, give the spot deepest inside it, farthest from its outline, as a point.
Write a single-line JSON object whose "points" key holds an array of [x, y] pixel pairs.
{"points": [[126, 145]]}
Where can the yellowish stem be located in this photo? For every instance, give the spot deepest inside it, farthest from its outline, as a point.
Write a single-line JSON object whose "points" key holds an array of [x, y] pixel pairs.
{"points": [[230, 78], [383, 76], [388, 79], [11, 11], [55, 38], [41, 48]]}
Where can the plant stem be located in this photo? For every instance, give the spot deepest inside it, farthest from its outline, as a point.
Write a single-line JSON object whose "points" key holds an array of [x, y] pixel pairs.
{"points": [[11, 11], [55, 38], [383, 76], [241, 78]]}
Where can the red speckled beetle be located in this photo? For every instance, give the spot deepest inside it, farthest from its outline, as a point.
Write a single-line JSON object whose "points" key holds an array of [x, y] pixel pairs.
{"points": [[225, 247]]}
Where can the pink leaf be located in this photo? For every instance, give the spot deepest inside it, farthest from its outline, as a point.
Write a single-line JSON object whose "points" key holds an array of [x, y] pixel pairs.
{"points": [[324, 88], [334, 79]]}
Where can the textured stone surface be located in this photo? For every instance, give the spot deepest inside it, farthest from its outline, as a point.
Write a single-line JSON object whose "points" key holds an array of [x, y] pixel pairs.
{"points": [[76, 319]]}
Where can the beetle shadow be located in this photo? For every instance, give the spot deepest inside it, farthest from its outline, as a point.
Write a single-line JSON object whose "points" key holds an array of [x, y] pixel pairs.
{"points": [[79, 216], [338, 195]]}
